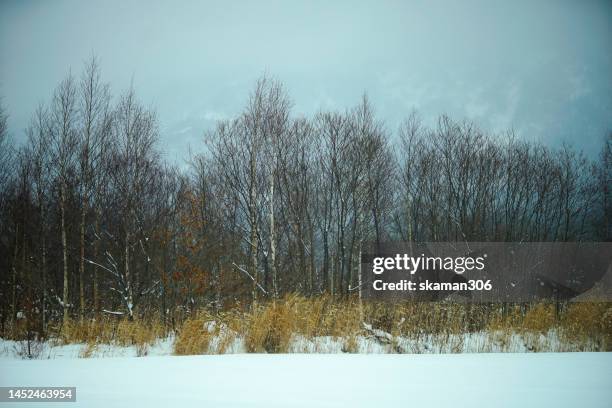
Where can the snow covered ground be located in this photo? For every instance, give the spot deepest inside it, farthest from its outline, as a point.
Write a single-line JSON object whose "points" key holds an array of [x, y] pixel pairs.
{"points": [[378, 342], [332, 380], [10, 349]]}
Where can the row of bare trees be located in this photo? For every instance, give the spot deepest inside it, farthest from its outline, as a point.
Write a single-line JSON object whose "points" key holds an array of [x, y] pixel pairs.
{"points": [[302, 195], [79, 201], [94, 220]]}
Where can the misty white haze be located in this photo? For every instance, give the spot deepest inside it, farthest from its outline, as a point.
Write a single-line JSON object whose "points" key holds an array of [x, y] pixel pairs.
{"points": [[542, 69]]}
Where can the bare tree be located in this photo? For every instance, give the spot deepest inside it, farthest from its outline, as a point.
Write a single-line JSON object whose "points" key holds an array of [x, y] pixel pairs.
{"points": [[39, 133], [94, 134], [6, 153], [248, 149], [64, 141], [133, 175]]}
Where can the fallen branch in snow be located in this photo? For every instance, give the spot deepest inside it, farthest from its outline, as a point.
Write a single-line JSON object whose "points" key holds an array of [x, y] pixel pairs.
{"points": [[383, 337]]}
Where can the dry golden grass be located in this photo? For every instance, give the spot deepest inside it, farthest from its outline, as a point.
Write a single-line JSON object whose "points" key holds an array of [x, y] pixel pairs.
{"points": [[271, 326], [198, 333], [194, 337], [506, 318], [138, 332], [123, 332], [589, 321], [350, 344], [16, 330], [539, 319]]}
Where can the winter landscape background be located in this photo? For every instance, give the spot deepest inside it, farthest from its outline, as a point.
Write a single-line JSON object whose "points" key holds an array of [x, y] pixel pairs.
{"points": [[200, 179]]}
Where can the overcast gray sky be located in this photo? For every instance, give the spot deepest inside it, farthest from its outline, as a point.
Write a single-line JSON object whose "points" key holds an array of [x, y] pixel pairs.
{"points": [[540, 67]]}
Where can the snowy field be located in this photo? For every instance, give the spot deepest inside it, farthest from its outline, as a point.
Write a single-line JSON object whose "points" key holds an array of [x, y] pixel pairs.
{"points": [[334, 380], [378, 342]]}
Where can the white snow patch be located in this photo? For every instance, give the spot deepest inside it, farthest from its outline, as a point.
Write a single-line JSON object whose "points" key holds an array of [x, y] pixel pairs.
{"points": [[10, 350], [341, 380]]}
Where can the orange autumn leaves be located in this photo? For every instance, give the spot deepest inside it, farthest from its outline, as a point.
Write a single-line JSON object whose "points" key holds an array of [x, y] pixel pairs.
{"points": [[190, 276]]}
